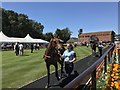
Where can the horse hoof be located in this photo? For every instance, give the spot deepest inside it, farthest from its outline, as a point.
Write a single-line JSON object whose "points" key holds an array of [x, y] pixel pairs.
{"points": [[47, 86], [63, 75], [58, 78]]}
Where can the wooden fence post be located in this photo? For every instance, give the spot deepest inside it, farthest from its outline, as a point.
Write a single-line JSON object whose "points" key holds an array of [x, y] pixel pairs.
{"points": [[109, 56], [105, 64], [94, 80]]}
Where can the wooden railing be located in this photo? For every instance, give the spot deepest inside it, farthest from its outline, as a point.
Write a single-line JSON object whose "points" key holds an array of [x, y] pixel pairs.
{"points": [[74, 84]]}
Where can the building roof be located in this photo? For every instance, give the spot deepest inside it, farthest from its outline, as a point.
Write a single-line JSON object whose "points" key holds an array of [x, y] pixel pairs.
{"points": [[98, 32], [72, 40]]}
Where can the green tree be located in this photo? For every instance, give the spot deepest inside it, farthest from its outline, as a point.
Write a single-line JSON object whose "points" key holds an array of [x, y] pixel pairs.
{"points": [[48, 36], [63, 34], [19, 25]]}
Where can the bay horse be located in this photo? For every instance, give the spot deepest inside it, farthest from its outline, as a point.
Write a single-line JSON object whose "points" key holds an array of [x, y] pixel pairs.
{"points": [[93, 47], [93, 43], [51, 56]]}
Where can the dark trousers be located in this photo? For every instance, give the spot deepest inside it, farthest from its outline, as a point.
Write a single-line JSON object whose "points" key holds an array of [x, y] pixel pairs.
{"points": [[69, 68], [17, 52], [31, 50], [100, 51]]}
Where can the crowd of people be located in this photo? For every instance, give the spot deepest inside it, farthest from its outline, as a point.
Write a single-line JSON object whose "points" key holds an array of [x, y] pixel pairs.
{"points": [[19, 48], [69, 54]]}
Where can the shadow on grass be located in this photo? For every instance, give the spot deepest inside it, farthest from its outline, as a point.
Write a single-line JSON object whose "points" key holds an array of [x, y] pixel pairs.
{"points": [[25, 55]]}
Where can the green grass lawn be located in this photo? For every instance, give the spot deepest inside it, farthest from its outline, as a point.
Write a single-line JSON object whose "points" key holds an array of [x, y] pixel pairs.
{"points": [[18, 71]]}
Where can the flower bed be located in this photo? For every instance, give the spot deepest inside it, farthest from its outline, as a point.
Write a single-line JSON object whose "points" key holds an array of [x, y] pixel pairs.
{"points": [[111, 79]]}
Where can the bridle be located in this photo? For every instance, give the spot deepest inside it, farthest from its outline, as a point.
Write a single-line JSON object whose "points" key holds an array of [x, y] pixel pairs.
{"points": [[54, 50]]}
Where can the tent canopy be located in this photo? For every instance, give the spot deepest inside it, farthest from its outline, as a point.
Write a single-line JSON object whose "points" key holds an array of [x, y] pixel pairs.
{"points": [[4, 38], [27, 39]]}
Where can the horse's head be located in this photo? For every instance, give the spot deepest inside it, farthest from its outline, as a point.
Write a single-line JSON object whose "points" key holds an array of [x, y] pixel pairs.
{"points": [[53, 47], [53, 43], [93, 40]]}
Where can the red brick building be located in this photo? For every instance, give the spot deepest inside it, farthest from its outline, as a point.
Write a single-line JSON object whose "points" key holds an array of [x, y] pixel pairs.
{"points": [[104, 36]]}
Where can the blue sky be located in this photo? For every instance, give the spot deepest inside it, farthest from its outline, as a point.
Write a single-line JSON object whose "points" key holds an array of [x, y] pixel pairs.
{"points": [[90, 16]]}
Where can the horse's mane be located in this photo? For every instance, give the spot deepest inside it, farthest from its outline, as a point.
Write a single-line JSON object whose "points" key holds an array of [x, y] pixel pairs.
{"points": [[48, 49]]}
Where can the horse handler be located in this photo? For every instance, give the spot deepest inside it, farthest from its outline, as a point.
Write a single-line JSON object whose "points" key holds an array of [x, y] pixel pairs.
{"points": [[100, 47], [69, 57]]}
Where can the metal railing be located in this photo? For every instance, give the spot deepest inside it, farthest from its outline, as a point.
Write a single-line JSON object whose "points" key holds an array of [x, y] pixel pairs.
{"points": [[74, 84], [119, 55]]}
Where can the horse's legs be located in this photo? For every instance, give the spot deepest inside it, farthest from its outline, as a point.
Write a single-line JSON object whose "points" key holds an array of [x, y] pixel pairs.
{"points": [[56, 71], [48, 72], [61, 63]]}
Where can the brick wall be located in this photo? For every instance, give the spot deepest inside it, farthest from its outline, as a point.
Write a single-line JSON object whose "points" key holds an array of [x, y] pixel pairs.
{"points": [[106, 36]]}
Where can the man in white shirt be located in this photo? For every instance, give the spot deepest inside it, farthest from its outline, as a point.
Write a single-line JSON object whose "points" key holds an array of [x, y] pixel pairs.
{"points": [[20, 49]]}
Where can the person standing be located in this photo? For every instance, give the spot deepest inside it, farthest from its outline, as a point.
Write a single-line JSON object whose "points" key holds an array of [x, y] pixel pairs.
{"points": [[61, 51], [20, 49], [87, 45], [32, 48], [38, 46], [69, 57], [17, 49], [100, 47]]}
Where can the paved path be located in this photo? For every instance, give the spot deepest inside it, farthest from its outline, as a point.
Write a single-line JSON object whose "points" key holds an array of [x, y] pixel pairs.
{"points": [[79, 67]]}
